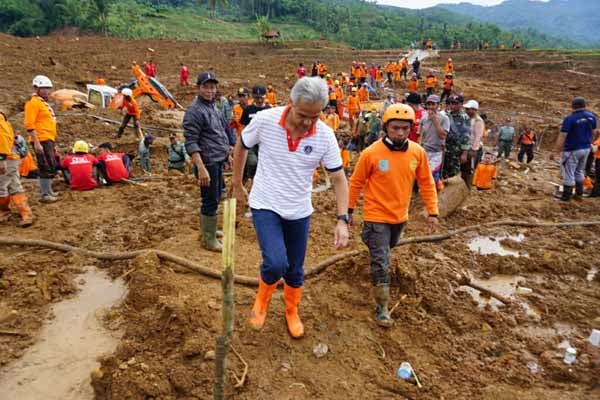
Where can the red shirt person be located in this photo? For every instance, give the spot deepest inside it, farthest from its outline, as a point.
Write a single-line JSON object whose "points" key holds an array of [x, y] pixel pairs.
{"points": [[184, 74], [150, 69], [301, 71], [113, 166], [80, 166]]}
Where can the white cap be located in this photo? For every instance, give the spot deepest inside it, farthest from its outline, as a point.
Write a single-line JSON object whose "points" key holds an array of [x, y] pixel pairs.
{"points": [[472, 104], [41, 81], [127, 92]]}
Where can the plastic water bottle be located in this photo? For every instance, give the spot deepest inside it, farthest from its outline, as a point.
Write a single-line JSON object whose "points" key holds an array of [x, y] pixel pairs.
{"points": [[405, 371], [570, 355]]}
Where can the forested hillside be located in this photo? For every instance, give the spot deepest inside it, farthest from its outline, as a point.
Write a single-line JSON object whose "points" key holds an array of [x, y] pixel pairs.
{"points": [[359, 23]]}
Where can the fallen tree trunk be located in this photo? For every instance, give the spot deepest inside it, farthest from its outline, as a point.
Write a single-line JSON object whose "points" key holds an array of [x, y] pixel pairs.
{"points": [[310, 272]]}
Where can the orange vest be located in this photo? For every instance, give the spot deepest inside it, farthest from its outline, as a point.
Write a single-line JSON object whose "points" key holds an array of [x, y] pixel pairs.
{"points": [[528, 137], [363, 94], [484, 175], [430, 81], [413, 85], [353, 104]]}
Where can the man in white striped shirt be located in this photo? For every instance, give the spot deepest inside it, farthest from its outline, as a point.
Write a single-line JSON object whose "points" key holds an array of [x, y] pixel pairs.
{"points": [[293, 141]]}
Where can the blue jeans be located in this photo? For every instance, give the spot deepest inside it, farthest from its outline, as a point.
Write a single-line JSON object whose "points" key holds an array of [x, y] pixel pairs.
{"points": [[283, 246], [211, 195]]}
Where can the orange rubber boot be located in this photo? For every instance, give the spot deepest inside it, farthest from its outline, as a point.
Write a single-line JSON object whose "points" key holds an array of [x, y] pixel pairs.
{"points": [[20, 202], [4, 209], [292, 299], [261, 304]]}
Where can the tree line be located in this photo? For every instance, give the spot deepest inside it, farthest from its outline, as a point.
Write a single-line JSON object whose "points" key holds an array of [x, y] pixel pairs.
{"points": [[359, 23]]}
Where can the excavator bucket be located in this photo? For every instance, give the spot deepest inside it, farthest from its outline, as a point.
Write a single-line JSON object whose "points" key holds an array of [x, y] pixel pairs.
{"points": [[153, 88]]}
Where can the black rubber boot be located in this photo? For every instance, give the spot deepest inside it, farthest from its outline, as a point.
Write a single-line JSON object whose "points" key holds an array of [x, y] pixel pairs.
{"points": [[578, 191], [567, 193], [596, 189]]}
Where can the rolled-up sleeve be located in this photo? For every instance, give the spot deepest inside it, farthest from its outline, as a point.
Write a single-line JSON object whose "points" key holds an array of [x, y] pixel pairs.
{"points": [[191, 131]]}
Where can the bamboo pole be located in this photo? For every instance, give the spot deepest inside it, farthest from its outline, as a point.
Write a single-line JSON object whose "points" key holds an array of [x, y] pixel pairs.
{"points": [[224, 341]]}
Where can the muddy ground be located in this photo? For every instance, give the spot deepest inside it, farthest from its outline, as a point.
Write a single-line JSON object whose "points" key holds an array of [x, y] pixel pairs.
{"points": [[459, 346]]}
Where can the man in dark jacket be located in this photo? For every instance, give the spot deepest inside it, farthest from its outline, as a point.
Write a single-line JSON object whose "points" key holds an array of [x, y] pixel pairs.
{"points": [[207, 141]]}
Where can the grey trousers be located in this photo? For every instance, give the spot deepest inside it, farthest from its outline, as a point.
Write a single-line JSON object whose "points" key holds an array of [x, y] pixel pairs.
{"points": [[504, 148], [380, 238], [572, 166], [10, 182]]}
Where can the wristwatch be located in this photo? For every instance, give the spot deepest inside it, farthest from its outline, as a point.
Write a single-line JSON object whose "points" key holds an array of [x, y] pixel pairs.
{"points": [[344, 217]]}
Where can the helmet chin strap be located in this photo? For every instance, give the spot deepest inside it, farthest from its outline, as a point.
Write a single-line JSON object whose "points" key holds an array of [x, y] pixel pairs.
{"points": [[403, 146]]}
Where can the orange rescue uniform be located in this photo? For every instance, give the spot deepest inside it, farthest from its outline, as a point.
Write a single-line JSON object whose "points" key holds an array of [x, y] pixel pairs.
{"points": [[271, 98], [332, 121], [484, 176], [39, 117], [430, 82], [345, 153], [7, 139], [353, 105], [528, 137], [236, 118], [363, 94], [413, 85], [449, 68], [132, 108], [388, 178]]}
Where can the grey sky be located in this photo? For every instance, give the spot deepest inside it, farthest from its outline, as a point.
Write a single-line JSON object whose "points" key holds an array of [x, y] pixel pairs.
{"points": [[431, 3]]}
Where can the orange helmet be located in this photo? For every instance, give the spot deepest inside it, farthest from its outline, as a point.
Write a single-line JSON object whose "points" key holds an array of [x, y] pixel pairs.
{"points": [[398, 111]]}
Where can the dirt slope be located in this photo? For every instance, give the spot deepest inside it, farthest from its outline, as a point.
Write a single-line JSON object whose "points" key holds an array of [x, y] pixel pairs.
{"points": [[171, 319]]}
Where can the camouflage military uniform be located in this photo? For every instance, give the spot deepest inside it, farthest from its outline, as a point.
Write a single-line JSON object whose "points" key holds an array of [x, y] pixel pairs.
{"points": [[457, 141]]}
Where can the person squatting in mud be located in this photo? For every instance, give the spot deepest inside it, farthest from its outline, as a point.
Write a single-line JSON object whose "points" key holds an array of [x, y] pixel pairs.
{"points": [[387, 170], [293, 142], [11, 153]]}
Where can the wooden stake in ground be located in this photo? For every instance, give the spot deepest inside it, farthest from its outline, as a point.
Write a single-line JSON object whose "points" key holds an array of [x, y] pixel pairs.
{"points": [[224, 341]]}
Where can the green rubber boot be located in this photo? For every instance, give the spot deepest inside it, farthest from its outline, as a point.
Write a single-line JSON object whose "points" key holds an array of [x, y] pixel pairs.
{"points": [[382, 314], [209, 233]]}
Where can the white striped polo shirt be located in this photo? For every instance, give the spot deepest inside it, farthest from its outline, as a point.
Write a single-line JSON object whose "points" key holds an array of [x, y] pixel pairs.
{"points": [[283, 180]]}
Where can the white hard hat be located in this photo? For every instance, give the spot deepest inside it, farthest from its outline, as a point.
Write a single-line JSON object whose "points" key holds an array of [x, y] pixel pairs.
{"points": [[42, 81], [127, 92], [472, 104]]}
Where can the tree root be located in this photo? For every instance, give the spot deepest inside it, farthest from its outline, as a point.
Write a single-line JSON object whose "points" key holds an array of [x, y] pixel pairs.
{"points": [[251, 281]]}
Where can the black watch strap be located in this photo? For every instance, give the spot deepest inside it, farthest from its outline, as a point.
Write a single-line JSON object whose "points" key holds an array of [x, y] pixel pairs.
{"points": [[344, 217]]}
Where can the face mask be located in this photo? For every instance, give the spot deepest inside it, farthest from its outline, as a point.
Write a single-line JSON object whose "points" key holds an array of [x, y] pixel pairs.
{"points": [[395, 146]]}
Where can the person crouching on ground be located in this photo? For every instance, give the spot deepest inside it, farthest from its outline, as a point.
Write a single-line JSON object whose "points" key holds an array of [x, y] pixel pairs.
{"points": [[293, 141], [387, 170], [112, 167], [485, 173], [144, 151], [10, 182], [80, 167]]}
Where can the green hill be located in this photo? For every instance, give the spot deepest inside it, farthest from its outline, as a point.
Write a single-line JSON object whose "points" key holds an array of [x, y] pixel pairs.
{"points": [[358, 23]]}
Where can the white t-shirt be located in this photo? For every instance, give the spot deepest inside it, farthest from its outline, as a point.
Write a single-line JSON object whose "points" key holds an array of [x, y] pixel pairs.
{"points": [[283, 180]]}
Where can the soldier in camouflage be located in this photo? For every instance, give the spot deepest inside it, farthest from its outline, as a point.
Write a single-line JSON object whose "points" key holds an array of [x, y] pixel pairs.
{"points": [[458, 141]]}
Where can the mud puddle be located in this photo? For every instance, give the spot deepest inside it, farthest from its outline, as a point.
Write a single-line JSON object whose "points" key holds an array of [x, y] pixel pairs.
{"points": [[505, 285], [486, 245], [58, 366]]}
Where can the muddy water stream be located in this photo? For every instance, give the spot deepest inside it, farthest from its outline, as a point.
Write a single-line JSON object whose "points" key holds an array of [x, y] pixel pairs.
{"points": [[485, 245], [58, 366]]}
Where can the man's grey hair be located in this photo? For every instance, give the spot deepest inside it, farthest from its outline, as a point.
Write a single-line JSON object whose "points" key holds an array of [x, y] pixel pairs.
{"points": [[310, 90]]}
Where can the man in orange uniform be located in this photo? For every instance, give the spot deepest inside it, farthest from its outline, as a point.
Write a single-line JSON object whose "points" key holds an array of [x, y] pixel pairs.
{"points": [[527, 141], [40, 123], [404, 67], [339, 96], [397, 69], [132, 110], [238, 110], [413, 84], [10, 182], [271, 96], [449, 68], [389, 70], [387, 170], [353, 105], [321, 69], [363, 93], [379, 77], [448, 84], [331, 119], [485, 173], [430, 82]]}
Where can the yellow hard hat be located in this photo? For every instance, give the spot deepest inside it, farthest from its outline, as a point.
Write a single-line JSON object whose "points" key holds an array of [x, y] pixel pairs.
{"points": [[373, 108], [336, 83], [354, 89], [81, 146], [328, 76], [398, 111]]}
